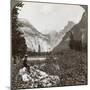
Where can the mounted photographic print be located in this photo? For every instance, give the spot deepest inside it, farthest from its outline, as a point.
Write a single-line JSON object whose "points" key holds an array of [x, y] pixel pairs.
{"points": [[48, 44]]}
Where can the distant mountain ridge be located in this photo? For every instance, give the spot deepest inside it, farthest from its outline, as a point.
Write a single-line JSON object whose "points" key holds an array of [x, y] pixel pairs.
{"points": [[78, 34], [34, 38]]}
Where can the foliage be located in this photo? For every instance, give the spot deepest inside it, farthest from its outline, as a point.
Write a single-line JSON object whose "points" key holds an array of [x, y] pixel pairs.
{"points": [[18, 42]]}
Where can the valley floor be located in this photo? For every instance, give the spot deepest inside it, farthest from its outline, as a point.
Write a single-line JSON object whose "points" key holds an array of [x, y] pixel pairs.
{"points": [[70, 66]]}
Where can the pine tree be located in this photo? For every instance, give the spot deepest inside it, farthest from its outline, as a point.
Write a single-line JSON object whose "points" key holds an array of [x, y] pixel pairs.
{"points": [[18, 43]]}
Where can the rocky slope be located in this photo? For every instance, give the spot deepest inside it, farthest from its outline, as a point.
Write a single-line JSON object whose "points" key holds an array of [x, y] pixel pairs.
{"points": [[36, 78]]}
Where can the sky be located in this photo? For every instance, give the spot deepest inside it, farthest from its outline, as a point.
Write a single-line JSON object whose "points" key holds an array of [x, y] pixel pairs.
{"points": [[46, 17]]}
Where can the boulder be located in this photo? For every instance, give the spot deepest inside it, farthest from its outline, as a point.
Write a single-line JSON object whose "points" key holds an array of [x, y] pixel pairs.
{"points": [[38, 78]]}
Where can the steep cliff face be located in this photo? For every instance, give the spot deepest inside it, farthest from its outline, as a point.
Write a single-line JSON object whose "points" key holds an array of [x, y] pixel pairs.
{"points": [[79, 32], [76, 38], [84, 24], [33, 37], [36, 40], [64, 44], [56, 37]]}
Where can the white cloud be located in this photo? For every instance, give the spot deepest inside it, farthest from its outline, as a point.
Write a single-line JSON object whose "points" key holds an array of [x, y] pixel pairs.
{"points": [[46, 17]]}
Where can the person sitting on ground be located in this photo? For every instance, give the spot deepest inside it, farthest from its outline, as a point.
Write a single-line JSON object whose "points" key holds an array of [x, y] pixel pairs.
{"points": [[24, 74], [25, 64]]}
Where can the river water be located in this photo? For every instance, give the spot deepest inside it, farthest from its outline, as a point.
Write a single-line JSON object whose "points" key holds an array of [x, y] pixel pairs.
{"points": [[38, 58]]}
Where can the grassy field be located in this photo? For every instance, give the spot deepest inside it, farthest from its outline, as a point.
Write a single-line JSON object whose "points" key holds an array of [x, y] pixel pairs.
{"points": [[70, 66]]}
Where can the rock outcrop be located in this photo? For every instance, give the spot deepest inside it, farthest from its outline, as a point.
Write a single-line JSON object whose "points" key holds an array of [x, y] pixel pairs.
{"points": [[37, 78]]}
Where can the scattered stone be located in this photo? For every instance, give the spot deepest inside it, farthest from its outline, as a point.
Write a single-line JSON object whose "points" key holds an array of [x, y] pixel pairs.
{"points": [[37, 78]]}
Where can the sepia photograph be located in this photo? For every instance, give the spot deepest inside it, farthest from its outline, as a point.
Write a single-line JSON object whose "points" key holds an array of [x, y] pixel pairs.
{"points": [[49, 44]]}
